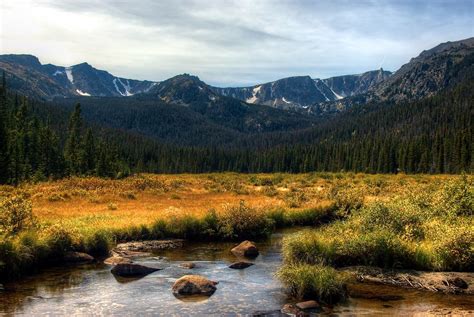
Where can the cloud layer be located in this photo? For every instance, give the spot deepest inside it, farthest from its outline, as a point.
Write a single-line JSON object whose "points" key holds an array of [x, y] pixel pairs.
{"points": [[229, 42]]}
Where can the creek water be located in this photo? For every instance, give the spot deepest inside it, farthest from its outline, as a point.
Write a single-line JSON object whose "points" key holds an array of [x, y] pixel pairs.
{"points": [[92, 290]]}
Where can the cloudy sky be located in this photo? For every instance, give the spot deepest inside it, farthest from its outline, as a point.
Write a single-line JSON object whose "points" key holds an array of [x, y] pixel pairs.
{"points": [[229, 43]]}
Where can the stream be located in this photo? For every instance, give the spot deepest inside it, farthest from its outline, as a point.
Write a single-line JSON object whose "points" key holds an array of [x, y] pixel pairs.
{"points": [[92, 290]]}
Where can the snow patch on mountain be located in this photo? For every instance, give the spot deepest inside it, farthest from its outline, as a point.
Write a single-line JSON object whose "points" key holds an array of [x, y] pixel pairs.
{"points": [[339, 97], [69, 74], [58, 72], [80, 92], [285, 101], [254, 97]]}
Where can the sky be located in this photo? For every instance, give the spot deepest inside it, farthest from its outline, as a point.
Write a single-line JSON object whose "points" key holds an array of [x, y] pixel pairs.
{"points": [[231, 43]]}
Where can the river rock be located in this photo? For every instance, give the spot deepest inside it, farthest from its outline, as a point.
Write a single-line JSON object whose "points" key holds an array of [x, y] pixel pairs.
{"points": [[292, 310], [77, 257], [194, 285], [114, 260], [240, 265], [188, 265], [149, 246], [131, 270], [247, 249], [310, 304], [458, 282]]}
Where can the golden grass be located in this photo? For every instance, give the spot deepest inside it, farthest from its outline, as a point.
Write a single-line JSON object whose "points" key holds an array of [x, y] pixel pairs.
{"points": [[143, 199]]}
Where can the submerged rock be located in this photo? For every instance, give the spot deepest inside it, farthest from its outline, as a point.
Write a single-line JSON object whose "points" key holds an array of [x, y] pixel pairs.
{"points": [[194, 285], [77, 257], [114, 260], [148, 246], [189, 265], [240, 265], [132, 270], [246, 249]]}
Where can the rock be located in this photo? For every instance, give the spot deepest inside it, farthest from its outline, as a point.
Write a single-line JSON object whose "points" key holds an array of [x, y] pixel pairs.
{"points": [[114, 260], [77, 257], [194, 285], [310, 304], [148, 246], [291, 310], [240, 265], [246, 249], [188, 265], [458, 282], [131, 269]]}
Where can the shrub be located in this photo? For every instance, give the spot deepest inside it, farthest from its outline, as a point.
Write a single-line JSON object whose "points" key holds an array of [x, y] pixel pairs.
{"points": [[112, 206], [347, 198], [128, 195], [313, 281], [15, 214], [295, 199], [243, 222]]}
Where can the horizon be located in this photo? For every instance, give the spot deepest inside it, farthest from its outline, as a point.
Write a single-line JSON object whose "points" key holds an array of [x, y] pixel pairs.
{"points": [[241, 48]]}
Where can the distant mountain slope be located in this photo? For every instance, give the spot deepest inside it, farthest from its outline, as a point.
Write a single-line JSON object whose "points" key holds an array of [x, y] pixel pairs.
{"points": [[184, 110], [28, 76], [433, 70], [302, 92], [351, 85]]}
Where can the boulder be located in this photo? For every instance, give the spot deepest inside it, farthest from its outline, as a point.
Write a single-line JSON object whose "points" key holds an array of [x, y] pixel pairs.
{"points": [[458, 282], [310, 304], [114, 260], [194, 285], [188, 265], [240, 265], [131, 270], [77, 257], [148, 246], [246, 249]]}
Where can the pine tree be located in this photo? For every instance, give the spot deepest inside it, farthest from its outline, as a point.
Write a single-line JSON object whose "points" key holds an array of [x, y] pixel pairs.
{"points": [[73, 147]]}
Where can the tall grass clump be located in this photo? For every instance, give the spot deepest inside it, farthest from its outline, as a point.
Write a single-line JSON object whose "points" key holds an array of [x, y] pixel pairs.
{"points": [[243, 222], [321, 282]]}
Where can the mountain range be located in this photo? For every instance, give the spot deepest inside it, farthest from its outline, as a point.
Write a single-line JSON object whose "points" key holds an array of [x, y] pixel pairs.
{"points": [[28, 76], [418, 119], [422, 76]]}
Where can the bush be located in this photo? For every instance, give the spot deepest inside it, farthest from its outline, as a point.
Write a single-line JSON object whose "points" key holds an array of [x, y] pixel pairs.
{"points": [[313, 281], [243, 222], [15, 215]]}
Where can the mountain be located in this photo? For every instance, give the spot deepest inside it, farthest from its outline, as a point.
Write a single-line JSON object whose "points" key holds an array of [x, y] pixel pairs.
{"points": [[351, 85], [302, 92], [433, 70], [287, 93], [28, 76], [184, 110]]}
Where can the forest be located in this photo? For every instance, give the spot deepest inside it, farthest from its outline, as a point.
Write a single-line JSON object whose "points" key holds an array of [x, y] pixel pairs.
{"points": [[46, 140]]}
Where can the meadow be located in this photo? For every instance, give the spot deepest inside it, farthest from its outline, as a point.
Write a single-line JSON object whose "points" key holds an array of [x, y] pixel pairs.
{"points": [[417, 221]]}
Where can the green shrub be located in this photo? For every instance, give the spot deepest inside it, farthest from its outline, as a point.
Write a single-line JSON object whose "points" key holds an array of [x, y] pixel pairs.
{"points": [[313, 281], [243, 222], [15, 214]]}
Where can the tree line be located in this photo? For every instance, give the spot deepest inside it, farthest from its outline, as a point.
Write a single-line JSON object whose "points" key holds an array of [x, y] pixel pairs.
{"points": [[434, 135]]}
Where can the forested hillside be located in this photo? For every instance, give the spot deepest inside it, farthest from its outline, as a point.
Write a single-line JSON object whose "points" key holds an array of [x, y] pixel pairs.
{"points": [[434, 135]]}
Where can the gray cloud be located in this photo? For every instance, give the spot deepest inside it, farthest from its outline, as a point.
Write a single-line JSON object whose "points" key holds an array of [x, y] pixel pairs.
{"points": [[232, 42]]}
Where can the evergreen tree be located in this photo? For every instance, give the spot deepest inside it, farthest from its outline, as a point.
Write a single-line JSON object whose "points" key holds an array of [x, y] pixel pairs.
{"points": [[73, 147]]}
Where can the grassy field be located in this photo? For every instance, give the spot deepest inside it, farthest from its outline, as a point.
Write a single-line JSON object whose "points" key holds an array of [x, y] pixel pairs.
{"points": [[45, 220]]}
